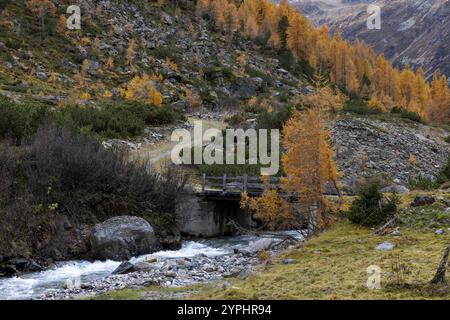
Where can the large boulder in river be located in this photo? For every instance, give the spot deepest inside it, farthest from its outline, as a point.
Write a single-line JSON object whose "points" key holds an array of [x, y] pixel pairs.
{"points": [[124, 268], [121, 238]]}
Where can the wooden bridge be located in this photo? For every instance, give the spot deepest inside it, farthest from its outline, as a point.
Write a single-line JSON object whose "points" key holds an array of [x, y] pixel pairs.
{"points": [[232, 187], [226, 187]]}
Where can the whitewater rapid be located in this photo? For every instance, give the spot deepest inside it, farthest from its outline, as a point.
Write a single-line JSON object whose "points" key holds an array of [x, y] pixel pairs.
{"points": [[34, 284]]}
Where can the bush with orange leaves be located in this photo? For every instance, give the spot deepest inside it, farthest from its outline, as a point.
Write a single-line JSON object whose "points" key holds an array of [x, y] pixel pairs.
{"points": [[270, 208], [142, 88]]}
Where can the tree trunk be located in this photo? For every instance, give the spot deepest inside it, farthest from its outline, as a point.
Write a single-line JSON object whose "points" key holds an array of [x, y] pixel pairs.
{"points": [[439, 277], [42, 27], [312, 223]]}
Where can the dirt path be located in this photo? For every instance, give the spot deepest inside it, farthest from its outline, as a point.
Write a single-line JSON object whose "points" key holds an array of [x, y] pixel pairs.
{"points": [[157, 154]]}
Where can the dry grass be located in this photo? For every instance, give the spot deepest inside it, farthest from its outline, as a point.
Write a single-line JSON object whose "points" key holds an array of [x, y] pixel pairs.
{"points": [[333, 266]]}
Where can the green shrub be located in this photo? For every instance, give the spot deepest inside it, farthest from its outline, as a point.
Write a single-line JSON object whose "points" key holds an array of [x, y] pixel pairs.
{"points": [[421, 182], [157, 116], [107, 121], [444, 174], [304, 68], [13, 43], [3, 3], [371, 208], [18, 121], [231, 170], [413, 116], [118, 120], [275, 119], [359, 107], [287, 60]]}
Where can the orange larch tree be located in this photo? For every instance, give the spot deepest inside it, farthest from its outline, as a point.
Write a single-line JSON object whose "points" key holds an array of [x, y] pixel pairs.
{"points": [[440, 104], [309, 164]]}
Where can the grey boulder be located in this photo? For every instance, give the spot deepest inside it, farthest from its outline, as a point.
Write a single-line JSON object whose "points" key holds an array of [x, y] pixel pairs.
{"points": [[397, 188], [385, 246], [422, 200], [121, 238]]}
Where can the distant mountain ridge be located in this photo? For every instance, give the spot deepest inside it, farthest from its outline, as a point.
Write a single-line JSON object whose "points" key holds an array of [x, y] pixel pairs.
{"points": [[412, 32]]}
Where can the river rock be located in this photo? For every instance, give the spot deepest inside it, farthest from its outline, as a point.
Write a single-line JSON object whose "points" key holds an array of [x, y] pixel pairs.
{"points": [[150, 259], [143, 266], [170, 274], [209, 267], [121, 238], [124, 268], [260, 244]]}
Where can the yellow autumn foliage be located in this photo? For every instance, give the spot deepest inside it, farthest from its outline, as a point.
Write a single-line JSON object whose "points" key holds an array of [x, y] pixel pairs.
{"points": [[142, 88]]}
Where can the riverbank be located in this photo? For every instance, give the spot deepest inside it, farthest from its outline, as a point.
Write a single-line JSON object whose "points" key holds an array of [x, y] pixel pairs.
{"points": [[196, 262], [330, 266]]}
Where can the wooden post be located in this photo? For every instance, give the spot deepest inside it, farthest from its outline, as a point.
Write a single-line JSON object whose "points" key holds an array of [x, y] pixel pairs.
{"points": [[224, 182], [245, 183], [203, 182]]}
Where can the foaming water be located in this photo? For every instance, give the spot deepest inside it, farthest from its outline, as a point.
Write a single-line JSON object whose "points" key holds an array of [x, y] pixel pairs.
{"points": [[190, 249], [34, 284]]}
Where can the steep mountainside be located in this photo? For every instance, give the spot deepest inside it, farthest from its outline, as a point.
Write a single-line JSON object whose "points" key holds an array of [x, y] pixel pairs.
{"points": [[414, 32], [191, 65], [196, 68]]}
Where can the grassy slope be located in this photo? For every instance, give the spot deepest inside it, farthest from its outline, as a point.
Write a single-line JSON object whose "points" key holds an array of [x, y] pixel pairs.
{"points": [[331, 266]]}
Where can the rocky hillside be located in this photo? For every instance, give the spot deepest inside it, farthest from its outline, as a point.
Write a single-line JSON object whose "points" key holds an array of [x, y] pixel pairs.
{"points": [[413, 32], [192, 65], [395, 151]]}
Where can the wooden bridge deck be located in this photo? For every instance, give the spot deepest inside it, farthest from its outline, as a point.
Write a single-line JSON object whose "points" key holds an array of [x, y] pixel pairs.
{"points": [[231, 188], [226, 187]]}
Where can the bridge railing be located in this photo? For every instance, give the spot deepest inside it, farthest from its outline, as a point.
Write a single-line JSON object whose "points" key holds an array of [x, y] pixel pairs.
{"points": [[243, 183]]}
